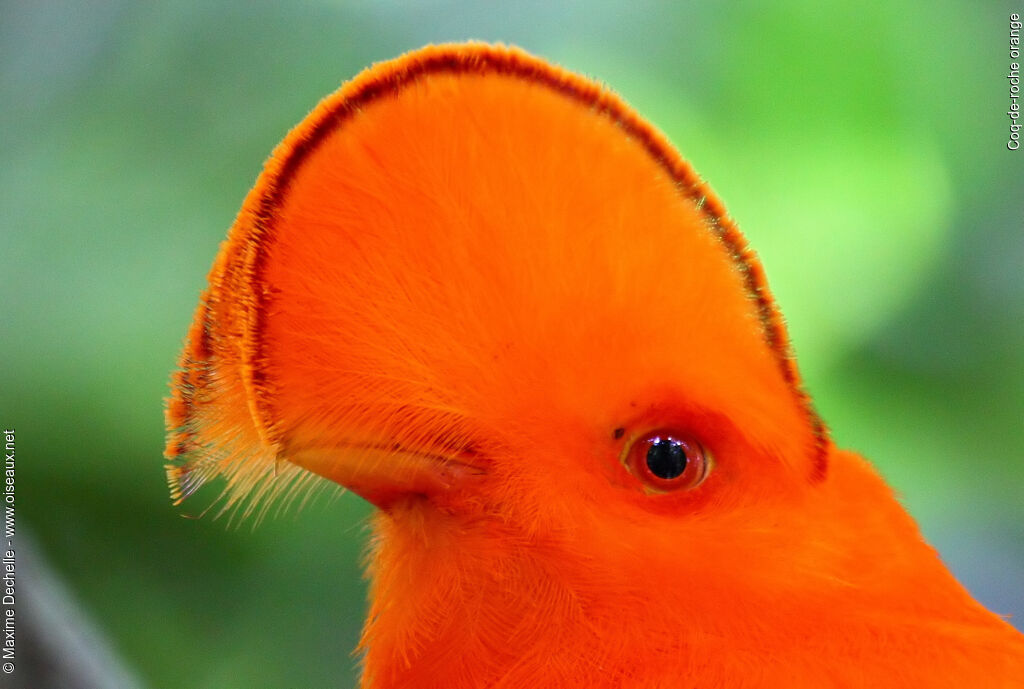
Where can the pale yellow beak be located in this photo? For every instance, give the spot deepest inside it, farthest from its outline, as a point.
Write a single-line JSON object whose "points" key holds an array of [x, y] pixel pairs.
{"points": [[383, 476]]}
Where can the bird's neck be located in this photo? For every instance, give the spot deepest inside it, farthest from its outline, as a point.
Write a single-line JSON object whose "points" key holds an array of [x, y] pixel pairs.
{"points": [[454, 614], [459, 606]]}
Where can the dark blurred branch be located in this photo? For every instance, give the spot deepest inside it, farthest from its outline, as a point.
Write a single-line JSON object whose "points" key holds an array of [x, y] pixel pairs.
{"points": [[58, 646]]}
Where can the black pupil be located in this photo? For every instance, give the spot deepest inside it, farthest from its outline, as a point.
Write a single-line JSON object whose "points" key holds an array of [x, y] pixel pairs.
{"points": [[666, 458]]}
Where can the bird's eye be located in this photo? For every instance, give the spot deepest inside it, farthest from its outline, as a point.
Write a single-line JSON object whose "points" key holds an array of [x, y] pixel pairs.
{"points": [[666, 461]]}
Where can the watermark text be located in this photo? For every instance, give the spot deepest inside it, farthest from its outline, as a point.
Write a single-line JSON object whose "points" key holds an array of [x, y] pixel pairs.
{"points": [[8, 570], [1013, 142]]}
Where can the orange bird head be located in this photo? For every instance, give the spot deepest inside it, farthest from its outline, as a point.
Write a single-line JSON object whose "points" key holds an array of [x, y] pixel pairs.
{"points": [[484, 294]]}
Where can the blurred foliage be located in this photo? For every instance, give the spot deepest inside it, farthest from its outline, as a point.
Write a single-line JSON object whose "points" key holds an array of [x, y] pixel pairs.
{"points": [[863, 151]]}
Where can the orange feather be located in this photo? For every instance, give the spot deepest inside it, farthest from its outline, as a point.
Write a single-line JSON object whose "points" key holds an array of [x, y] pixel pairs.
{"points": [[485, 295]]}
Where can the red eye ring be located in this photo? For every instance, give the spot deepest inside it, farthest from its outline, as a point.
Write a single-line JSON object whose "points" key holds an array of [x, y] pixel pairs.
{"points": [[666, 461]]}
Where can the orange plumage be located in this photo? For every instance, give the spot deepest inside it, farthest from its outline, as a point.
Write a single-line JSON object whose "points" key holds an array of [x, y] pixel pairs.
{"points": [[484, 294]]}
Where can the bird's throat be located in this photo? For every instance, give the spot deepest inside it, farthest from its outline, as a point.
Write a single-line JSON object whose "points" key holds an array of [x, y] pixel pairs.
{"points": [[449, 604]]}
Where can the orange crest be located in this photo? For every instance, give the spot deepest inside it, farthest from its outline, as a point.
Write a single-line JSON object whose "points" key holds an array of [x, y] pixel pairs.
{"points": [[430, 243]]}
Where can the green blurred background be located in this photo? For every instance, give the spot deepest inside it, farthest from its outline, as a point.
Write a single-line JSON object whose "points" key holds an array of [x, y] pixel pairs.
{"points": [[863, 152]]}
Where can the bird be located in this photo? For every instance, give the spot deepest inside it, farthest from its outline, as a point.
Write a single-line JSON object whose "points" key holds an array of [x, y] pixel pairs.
{"points": [[482, 293]]}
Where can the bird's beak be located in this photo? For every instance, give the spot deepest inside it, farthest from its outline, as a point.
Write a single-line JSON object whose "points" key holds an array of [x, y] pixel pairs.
{"points": [[382, 476]]}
